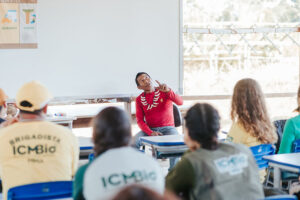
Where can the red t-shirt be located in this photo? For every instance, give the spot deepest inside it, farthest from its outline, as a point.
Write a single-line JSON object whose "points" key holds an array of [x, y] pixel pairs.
{"points": [[155, 109]]}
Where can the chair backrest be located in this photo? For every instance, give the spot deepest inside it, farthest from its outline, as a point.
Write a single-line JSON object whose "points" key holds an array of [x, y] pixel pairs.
{"points": [[296, 146], [39, 191], [281, 197], [91, 157], [177, 116], [262, 150], [279, 125]]}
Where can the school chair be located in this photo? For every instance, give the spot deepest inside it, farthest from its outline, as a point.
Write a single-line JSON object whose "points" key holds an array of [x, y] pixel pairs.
{"points": [[296, 146], [41, 191], [177, 116], [91, 157], [279, 126], [259, 152]]}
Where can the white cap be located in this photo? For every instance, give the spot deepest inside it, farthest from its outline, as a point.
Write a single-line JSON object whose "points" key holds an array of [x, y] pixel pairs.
{"points": [[32, 96]]}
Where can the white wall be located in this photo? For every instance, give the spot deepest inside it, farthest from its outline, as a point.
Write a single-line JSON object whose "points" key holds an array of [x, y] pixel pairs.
{"points": [[95, 47]]}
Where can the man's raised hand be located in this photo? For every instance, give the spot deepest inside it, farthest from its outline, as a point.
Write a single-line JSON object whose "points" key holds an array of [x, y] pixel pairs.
{"points": [[162, 87]]}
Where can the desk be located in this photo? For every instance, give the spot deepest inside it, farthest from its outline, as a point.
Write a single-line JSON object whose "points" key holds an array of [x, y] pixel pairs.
{"points": [[86, 147], [289, 162], [169, 145], [62, 120], [83, 112], [165, 146]]}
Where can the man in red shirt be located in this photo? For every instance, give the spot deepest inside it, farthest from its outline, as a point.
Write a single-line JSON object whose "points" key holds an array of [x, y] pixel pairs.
{"points": [[154, 109]]}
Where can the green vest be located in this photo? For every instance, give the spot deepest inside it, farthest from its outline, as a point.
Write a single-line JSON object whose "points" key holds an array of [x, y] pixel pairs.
{"points": [[230, 172]]}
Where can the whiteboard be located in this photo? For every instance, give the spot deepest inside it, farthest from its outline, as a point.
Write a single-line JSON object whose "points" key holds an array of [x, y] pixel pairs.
{"points": [[94, 48]]}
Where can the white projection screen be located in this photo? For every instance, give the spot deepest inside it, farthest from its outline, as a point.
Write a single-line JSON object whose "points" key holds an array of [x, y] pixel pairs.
{"points": [[94, 48]]}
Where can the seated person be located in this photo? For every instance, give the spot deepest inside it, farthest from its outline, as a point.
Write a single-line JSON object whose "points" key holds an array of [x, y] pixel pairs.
{"points": [[251, 124], [137, 192], [291, 131], [3, 106], [33, 149], [154, 109], [116, 164], [12, 111], [212, 169]]}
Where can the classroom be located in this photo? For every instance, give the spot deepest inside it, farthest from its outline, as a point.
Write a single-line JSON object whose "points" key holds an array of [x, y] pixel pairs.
{"points": [[139, 99]]}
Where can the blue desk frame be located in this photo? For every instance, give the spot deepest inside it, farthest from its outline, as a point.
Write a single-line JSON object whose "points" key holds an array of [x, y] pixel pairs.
{"points": [[289, 162], [165, 146], [86, 147]]}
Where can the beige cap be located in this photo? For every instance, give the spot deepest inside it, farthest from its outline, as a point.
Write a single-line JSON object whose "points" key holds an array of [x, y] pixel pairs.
{"points": [[3, 97], [32, 96]]}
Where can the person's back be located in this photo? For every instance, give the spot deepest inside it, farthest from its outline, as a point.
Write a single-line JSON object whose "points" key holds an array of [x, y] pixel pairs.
{"points": [[116, 165], [212, 169], [229, 172], [251, 124], [34, 150], [3, 106], [117, 168], [238, 134], [135, 192], [291, 130]]}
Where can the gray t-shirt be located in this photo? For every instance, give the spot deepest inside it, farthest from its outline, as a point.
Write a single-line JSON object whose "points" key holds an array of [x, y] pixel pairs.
{"points": [[229, 172]]}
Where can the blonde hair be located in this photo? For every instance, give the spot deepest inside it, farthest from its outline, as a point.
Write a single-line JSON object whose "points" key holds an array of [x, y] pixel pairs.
{"points": [[248, 107]]}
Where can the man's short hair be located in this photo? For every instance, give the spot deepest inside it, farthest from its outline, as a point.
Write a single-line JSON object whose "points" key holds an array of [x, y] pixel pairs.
{"points": [[137, 75]]}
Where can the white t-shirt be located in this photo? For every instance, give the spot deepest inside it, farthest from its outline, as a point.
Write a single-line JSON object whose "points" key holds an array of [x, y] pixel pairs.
{"points": [[116, 169]]}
